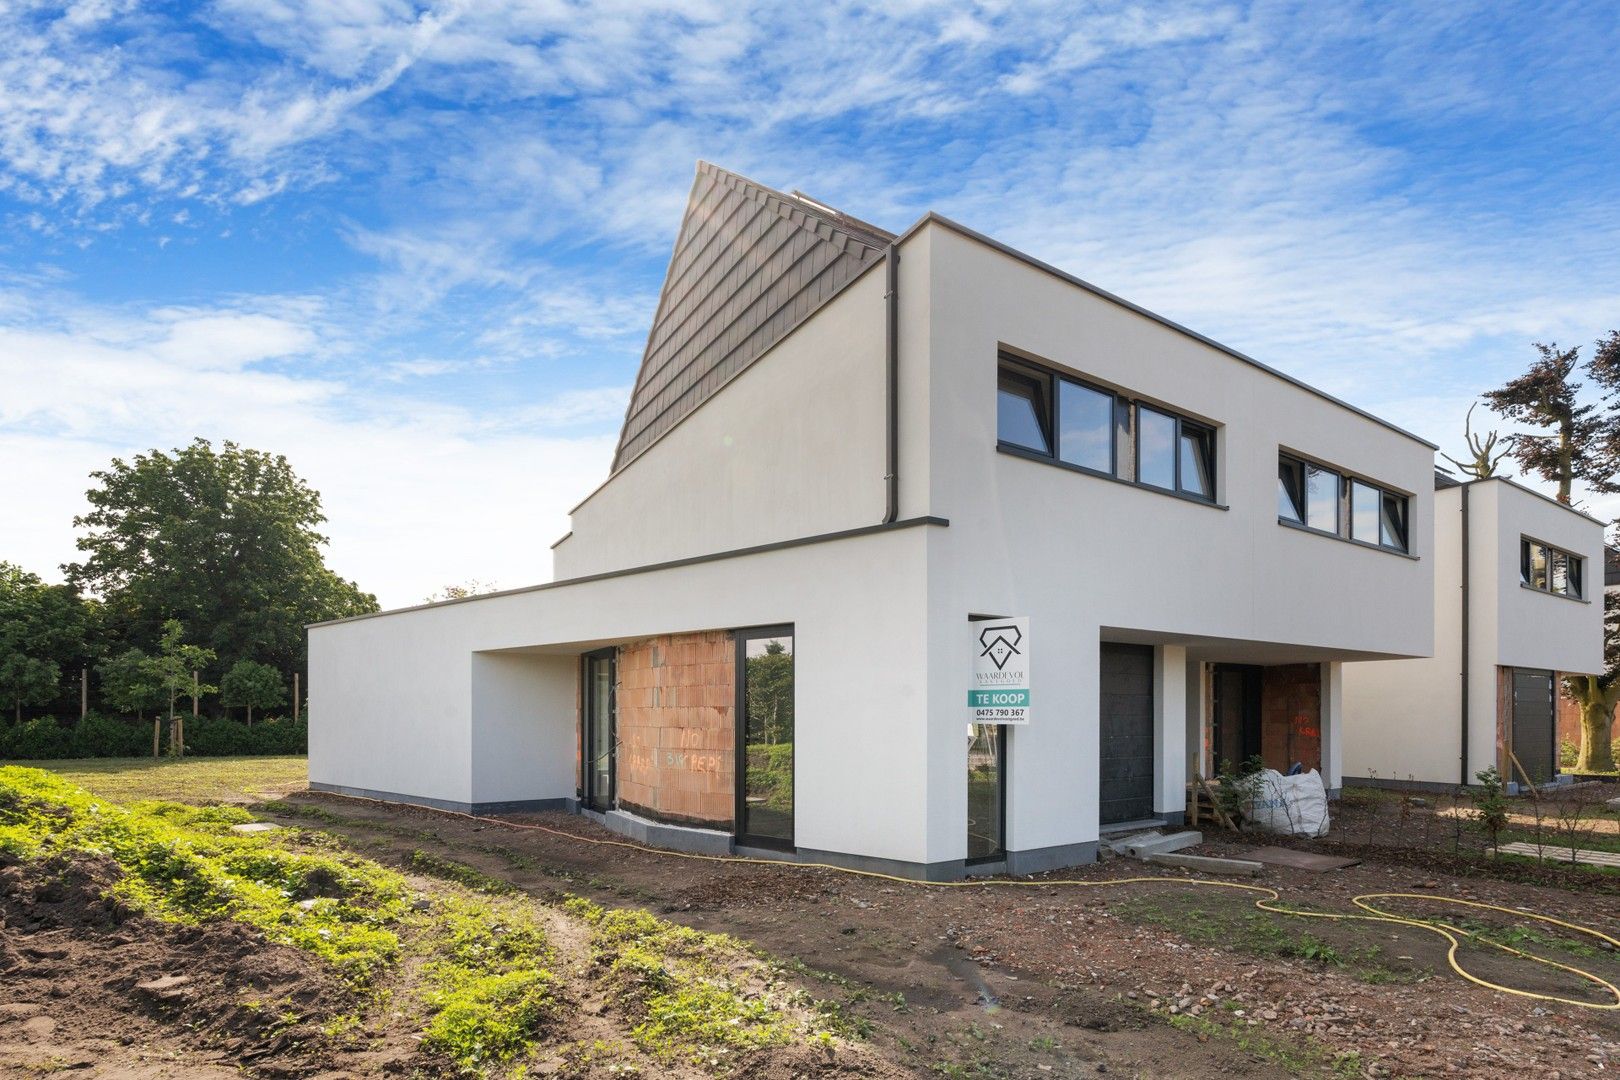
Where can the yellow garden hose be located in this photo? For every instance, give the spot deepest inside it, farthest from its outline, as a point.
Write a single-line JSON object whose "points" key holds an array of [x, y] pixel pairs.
{"points": [[1270, 900]]}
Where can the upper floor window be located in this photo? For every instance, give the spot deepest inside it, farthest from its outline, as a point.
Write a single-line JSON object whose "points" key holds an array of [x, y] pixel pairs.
{"points": [[1544, 567], [1326, 500], [1023, 409], [1085, 426]]}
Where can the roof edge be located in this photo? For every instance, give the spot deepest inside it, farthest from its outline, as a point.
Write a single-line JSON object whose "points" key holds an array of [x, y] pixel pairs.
{"points": [[1542, 495], [933, 218]]}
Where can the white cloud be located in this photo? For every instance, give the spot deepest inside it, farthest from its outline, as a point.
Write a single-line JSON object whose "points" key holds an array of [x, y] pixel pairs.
{"points": [[418, 492]]}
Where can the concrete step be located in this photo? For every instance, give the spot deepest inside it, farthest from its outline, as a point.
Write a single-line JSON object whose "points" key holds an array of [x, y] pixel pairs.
{"points": [[1144, 844]]}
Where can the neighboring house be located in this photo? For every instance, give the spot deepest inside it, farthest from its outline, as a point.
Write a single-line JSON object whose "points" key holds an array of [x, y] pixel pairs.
{"points": [[845, 451], [1518, 603]]}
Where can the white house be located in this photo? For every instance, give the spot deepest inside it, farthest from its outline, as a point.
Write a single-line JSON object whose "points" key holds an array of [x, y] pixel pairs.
{"points": [[846, 450], [1518, 602]]}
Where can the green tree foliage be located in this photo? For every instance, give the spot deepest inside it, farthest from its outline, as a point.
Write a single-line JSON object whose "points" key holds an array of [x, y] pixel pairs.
{"points": [[770, 695], [224, 540], [176, 665], [131, 682], [44, 630], [1582, 443], [252, 685]]}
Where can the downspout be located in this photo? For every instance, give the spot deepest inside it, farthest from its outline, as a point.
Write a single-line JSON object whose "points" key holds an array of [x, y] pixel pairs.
{"points": [[891, 297], [1465, 628]]}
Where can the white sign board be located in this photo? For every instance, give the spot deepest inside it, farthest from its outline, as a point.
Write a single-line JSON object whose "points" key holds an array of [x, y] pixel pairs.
{"points": [[1000, 693]]}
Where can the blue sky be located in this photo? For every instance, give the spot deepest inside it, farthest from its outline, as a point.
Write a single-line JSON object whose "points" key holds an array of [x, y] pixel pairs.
{"points": [[416, 247]]}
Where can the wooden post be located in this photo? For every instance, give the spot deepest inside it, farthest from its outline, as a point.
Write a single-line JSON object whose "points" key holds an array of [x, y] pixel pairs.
{"points": [[84, 692], [295, 697], [157, 732]]}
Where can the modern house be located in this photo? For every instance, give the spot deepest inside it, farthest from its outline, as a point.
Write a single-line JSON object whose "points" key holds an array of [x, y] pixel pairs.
{"points": [[856, 468], [1518, 602]]}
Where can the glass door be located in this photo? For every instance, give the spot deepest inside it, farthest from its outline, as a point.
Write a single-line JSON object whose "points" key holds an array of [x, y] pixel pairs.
{"points": [[764, 814], [987, 792], [599, 730]]}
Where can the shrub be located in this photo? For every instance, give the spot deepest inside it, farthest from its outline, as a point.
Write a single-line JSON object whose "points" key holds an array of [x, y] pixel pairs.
{"points": [[1490, 803], [106, 736], [36, 740]]}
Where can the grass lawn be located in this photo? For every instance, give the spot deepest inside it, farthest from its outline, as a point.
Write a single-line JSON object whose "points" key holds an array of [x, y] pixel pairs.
{"points": [[194, 780]]}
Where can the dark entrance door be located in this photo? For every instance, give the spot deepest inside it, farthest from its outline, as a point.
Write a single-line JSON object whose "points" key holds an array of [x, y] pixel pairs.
{"points": [[598, 730], [1126, 721], [1237, 715], [1534, 735]]}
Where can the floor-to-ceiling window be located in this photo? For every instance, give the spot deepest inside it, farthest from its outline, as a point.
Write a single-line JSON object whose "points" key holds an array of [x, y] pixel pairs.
{"points": [[986, 810], [765, 736], [598, 734]]}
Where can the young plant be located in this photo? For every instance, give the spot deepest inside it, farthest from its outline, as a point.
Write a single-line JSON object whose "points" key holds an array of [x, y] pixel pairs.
{"points": [[1490, 803]]}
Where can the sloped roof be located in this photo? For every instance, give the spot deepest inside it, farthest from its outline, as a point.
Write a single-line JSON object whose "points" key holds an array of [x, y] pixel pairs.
{"points": [[750, 264]]}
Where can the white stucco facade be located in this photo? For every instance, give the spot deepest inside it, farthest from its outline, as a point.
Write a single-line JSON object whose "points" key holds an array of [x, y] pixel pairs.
{"points": [[766, 506], [1405, 718]]}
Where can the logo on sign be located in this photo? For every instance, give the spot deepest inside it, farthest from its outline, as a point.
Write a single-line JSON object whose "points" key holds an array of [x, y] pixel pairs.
{"points": [[1000, 643]]}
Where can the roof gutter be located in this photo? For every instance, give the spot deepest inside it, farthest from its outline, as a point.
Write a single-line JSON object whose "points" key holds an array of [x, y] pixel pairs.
{"points": [[891, 317]]}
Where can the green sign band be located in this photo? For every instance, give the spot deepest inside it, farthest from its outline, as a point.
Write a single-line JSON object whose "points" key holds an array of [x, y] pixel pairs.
{"points": [[991, 699]]}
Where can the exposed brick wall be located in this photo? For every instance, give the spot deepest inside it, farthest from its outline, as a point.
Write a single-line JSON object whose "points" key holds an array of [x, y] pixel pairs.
{"points": [[676, 730], [1291, 716]]}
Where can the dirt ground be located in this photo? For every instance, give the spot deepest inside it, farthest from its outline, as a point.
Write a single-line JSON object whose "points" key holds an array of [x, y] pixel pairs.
{"points": [[1145, 979], [1149, 979]]}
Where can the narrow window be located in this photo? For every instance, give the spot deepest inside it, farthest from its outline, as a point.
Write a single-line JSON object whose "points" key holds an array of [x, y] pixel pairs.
{"points": [[1392, 527], [1576, 564], [764, 807], [1085, 426], [1291, 489], [1364, 512], [1023, 410], [986, 793], [1197, 460], [1538, 567], [1527, 575], [1321, 498], [1155, 448]]}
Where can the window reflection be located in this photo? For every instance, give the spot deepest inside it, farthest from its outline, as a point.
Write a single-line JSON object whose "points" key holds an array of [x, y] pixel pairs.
{"points": [[767, 785]]}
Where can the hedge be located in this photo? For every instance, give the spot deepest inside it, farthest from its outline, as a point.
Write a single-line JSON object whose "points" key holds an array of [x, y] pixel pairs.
{"points": [[105, 736]]}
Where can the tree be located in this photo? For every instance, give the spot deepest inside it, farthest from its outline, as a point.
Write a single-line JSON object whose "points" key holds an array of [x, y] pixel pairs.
{"points": [[176, 666], [26, 680], [225, 541], [1582, 444], [131, 682], [1486, 457], [43, 628], [252, 685], [473, 587], [1597, 695]]}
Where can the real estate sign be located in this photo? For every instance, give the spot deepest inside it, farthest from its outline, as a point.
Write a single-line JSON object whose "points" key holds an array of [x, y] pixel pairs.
{"points": [[1000, 693]]}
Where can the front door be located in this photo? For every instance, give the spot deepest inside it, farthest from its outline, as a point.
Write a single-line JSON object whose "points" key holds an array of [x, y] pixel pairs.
{"points": [[1237, 716], [1125, 713], [1534, 740], [599, 730]]}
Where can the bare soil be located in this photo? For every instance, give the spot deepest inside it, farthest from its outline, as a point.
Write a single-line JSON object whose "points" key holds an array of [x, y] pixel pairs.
{"points": [[1160, 978], [1124, 979]]}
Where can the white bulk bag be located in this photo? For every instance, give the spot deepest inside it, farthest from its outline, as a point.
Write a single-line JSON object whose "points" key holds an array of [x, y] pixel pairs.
{"points": [[1294, 805]]}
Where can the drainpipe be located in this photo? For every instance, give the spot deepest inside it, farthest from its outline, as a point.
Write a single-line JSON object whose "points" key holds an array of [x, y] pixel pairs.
{"points": [[1465, 628], [891, 477]]}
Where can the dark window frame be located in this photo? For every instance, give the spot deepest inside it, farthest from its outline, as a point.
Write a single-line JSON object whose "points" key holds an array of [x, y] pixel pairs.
{"points": [[585, 790], [1344, 506], [740, 638], [1574, 574], [1045, 408], [1126, 429]]}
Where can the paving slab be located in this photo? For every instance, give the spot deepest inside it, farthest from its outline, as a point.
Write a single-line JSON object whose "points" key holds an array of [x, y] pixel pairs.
{"points": [[1298, 860], [1585, 856], [1139, 847], [1208, 864], [254, 827]]}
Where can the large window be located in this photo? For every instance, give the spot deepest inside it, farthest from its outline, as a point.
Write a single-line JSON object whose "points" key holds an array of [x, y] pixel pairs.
{"points": [[1053, 416], [1085, 426], [764, 814], [1549, 569], [1325, 500]]}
